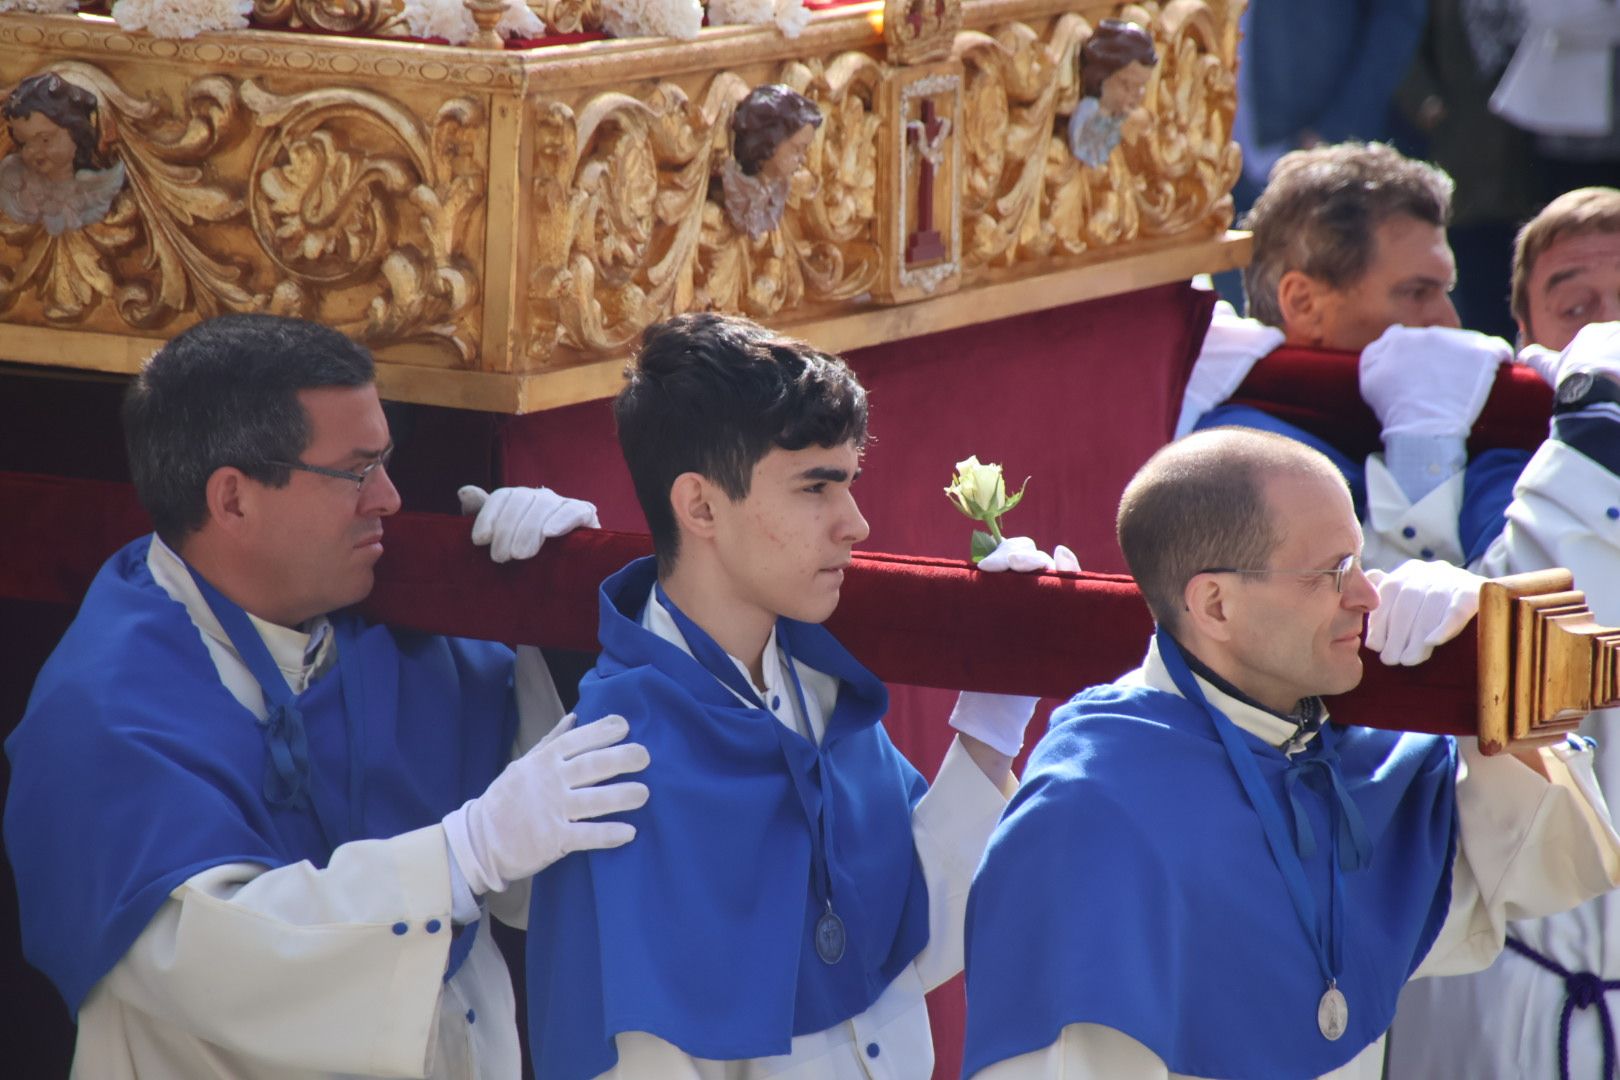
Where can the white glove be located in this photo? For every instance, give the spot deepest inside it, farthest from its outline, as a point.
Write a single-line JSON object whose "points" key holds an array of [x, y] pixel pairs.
{"points": [[1420, 605], [1596, 349], [515, 521], [1430, 380], [1020, 555], [997, 720], [1232, 347], [537, 810]]}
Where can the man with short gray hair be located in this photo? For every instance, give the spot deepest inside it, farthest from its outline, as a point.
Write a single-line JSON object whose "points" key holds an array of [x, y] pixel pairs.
{"points": [[1202, 877]]}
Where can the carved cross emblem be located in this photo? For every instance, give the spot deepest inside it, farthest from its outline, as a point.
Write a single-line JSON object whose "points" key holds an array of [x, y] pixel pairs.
{"points": [[926, 137]]}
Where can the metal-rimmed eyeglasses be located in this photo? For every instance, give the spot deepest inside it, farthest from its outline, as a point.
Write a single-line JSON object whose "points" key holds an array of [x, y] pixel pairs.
{"points": [[1346, 565], [358, 479]]}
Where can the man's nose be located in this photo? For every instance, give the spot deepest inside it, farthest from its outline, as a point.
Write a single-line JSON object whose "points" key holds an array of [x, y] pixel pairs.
{"points": [[1359, 592], [379, 495], [856, 528]]}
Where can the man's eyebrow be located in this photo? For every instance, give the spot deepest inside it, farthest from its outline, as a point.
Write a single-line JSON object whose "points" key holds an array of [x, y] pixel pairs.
{"points": [[372, 454], [827, 473], [1427, 279], [1562, 276]]}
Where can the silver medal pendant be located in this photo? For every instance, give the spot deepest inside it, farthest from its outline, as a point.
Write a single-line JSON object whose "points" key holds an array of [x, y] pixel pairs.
{"points": [[830, 937], [1332, 1013]]}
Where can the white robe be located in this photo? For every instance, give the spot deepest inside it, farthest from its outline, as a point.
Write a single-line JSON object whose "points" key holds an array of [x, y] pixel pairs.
{"points": [[321, 984], [950, 825], [1503, 1022], [1527, 846]]}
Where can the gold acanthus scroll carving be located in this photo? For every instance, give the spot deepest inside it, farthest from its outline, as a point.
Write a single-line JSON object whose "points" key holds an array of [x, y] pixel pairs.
{"points": [[350, 188], [1025, 197], [637, 236], [145, 258], [353, 212]]}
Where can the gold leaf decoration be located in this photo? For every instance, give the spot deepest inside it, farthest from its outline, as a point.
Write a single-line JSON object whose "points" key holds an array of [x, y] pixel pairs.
{"points": [[349, 185], [155, 223]]}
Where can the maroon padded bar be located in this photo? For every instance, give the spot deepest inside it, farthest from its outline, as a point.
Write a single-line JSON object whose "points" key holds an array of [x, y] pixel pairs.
{"points": [[912, 620]]}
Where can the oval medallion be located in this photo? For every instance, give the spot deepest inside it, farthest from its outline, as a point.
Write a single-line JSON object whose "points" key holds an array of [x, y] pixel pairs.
{"points": [[830, 938], [1332, 1014]]}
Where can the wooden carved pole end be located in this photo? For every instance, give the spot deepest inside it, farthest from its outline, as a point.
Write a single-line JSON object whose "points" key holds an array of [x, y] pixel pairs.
{"points": [[1544, 661]]}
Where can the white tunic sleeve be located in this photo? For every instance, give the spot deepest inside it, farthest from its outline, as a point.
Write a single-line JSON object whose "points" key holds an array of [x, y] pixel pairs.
{"points": [[1565, 512], [951, 825], [334, 970], [1095, 1052], [1527, 848]]}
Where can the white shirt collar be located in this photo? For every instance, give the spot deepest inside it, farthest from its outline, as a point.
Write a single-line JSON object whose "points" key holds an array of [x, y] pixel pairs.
{"points": [[778, 690], [1260, 723], [300, 654]]}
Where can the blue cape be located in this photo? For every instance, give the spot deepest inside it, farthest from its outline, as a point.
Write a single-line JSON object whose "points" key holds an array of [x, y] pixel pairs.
{"points": [[699, 930], [1129, 884], [134, 768]]}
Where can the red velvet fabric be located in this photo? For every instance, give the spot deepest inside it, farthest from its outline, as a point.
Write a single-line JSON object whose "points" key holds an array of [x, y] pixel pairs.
{"points": [[1022, 391], [911, 619], [1320, 391]]}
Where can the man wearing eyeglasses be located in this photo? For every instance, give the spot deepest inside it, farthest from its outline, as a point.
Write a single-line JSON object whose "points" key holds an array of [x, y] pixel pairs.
{"points": [[1199, 876], [254, 835]]}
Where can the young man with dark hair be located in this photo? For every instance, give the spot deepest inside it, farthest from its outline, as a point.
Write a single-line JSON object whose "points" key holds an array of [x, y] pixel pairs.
{"points": [[797, 887], [251, 830], [1202, 877]]}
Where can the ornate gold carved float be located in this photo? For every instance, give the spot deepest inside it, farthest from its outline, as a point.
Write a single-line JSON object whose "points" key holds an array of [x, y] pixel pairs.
{"points": [[500, 225]]}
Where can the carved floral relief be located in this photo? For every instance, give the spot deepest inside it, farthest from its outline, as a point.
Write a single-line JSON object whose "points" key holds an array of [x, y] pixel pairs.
{"points": [[352, 211]]}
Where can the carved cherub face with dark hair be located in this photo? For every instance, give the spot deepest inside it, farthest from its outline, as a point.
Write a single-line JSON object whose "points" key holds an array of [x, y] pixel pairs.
{"points": [[56, 177], [771, 131], [1115, 65], [53, 125]]}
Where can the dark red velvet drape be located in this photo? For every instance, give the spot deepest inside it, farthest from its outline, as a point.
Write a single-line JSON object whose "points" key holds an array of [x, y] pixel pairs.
{"points": [[1320, 391]]}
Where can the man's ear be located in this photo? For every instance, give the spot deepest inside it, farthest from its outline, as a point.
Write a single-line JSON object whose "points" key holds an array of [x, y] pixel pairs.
{"points": [[1302, 300], [230, 499], [692, 498], [1205, 603]]}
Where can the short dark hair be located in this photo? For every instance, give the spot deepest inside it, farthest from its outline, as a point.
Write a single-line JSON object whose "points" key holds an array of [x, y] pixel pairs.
{"points": [[225, 393], [1113, 45], [1574, 213], [1320, 209], [713, 394], [1201, 502], [768, 116], [71, 108]]}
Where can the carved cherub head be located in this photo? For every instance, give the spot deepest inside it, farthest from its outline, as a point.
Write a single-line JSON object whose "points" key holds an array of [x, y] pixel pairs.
{"points": [[53, 124], [771, 131], [1115, 64]]}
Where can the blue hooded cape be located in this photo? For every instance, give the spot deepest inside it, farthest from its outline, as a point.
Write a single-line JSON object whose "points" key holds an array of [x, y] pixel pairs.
{"points": [[1129, 884], [699, 930], [134, 768]]}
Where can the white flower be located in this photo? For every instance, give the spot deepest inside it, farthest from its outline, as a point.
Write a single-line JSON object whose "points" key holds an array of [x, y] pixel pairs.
{"points": [[43, 7], [450, 19], [181, 18], [790, 16], [980, 492], [652, 18]]}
